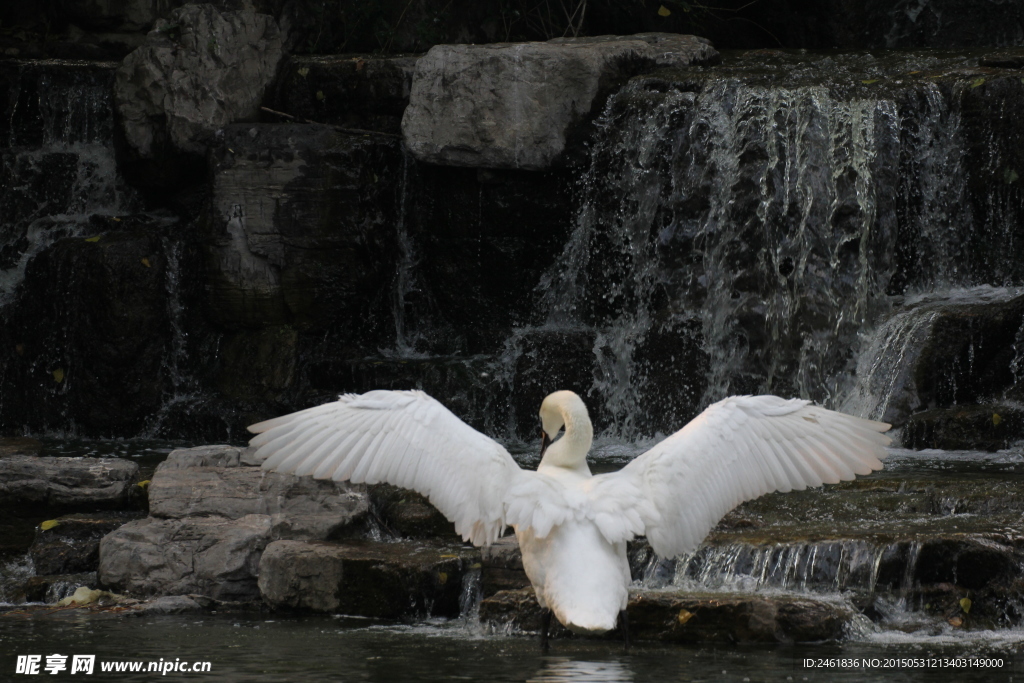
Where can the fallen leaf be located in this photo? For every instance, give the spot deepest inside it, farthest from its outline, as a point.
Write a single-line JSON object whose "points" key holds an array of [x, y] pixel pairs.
{"points": [[145, 262], [965, 605], [870, 81], [58, 375], [442, 577], [93, 239], [115, 218], [664, 11], [911, 73], [360, 64], [304, 71], [977, 82], [48, 524], [955, 621], [320, 94], [1010, 176], [684, 616], [996, 419], [144, 484]]}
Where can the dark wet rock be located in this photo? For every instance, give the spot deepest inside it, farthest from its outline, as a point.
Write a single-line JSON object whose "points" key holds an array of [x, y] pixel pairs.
{"points": [[210, 556], [686, 618], [19, 445], [387, 580], [982, 427], [483, 241], [502, 567], [71, 544], [512, 105], [199, 70], [407, 514], [51, 588], [368, 92], [90, 331], [971, 563], [297, 238], [470, 385], [59, 483]]}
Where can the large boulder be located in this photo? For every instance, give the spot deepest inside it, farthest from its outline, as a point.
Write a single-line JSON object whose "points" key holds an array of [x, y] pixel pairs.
{"points": [[512, 105], [367, 578], [945, 352], [210, 556], [212, 514], [298, 507], [60, 483], [199, 70]]}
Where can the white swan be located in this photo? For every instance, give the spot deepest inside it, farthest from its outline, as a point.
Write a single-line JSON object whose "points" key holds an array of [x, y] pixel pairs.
{"points": [[572, 526]]}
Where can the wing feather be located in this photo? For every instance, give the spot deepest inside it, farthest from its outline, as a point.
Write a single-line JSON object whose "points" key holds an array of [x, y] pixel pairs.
{"points": [[405, 438], [738, 449]]}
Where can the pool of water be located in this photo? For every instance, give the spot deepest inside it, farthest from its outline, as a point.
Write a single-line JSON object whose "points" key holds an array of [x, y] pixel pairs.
{"points": [[262, 648]]}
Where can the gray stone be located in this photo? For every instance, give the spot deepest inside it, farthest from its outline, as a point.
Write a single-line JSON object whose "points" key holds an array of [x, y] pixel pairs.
{"points": [[512, 105], [64, 483], [387, 580], [210, 519], [171, 604], [210, 556], [298, 507], [202, 456], [199, 70]]}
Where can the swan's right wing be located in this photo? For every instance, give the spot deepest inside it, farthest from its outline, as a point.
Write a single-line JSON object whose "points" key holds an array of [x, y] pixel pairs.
{"points": [[405, 438], [736, 450]]}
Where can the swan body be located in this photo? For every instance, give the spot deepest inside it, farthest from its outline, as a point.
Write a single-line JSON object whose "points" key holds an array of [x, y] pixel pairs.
{"points": [[572, 526]]}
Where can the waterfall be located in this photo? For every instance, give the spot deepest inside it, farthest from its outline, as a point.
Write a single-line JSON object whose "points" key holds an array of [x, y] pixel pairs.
{"points": [[58, 166]]}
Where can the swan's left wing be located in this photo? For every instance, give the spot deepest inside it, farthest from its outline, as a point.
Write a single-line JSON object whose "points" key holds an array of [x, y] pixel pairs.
{"points": [[736, 450], [405, 438]]}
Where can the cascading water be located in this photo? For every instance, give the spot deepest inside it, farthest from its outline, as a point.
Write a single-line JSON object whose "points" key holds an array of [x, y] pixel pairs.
{"points": [[58, 166]]}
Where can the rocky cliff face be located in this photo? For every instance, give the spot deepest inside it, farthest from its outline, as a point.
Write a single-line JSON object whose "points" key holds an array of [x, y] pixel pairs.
{"points": [[696, 231]]}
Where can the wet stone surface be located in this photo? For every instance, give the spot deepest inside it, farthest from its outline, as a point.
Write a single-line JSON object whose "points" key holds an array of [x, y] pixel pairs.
{"points": [[690, 618], [367, 578]]}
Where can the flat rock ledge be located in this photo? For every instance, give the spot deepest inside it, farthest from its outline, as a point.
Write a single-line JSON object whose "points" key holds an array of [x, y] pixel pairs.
{"points": [[369, 578], [212, 513], [513, 105], [689, 618], [46, 484]]}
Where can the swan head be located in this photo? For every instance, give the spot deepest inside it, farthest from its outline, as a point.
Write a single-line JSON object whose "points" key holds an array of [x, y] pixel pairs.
{"points": [[565, 409]]}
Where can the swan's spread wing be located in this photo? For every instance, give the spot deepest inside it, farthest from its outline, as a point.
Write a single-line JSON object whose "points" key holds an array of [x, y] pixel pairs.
{"points": [[404, 438], [739, 449]]}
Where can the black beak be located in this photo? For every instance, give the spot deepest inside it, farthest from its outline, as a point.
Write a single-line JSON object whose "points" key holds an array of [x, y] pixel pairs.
{"points": [[545, 441]]}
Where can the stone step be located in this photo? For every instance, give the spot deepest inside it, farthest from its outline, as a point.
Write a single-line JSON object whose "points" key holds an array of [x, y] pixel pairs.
{"points": [[367, 578], [688, 618]]}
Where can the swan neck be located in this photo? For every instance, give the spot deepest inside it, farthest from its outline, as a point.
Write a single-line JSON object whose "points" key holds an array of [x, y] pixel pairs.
{"points": [[570, 451]]}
